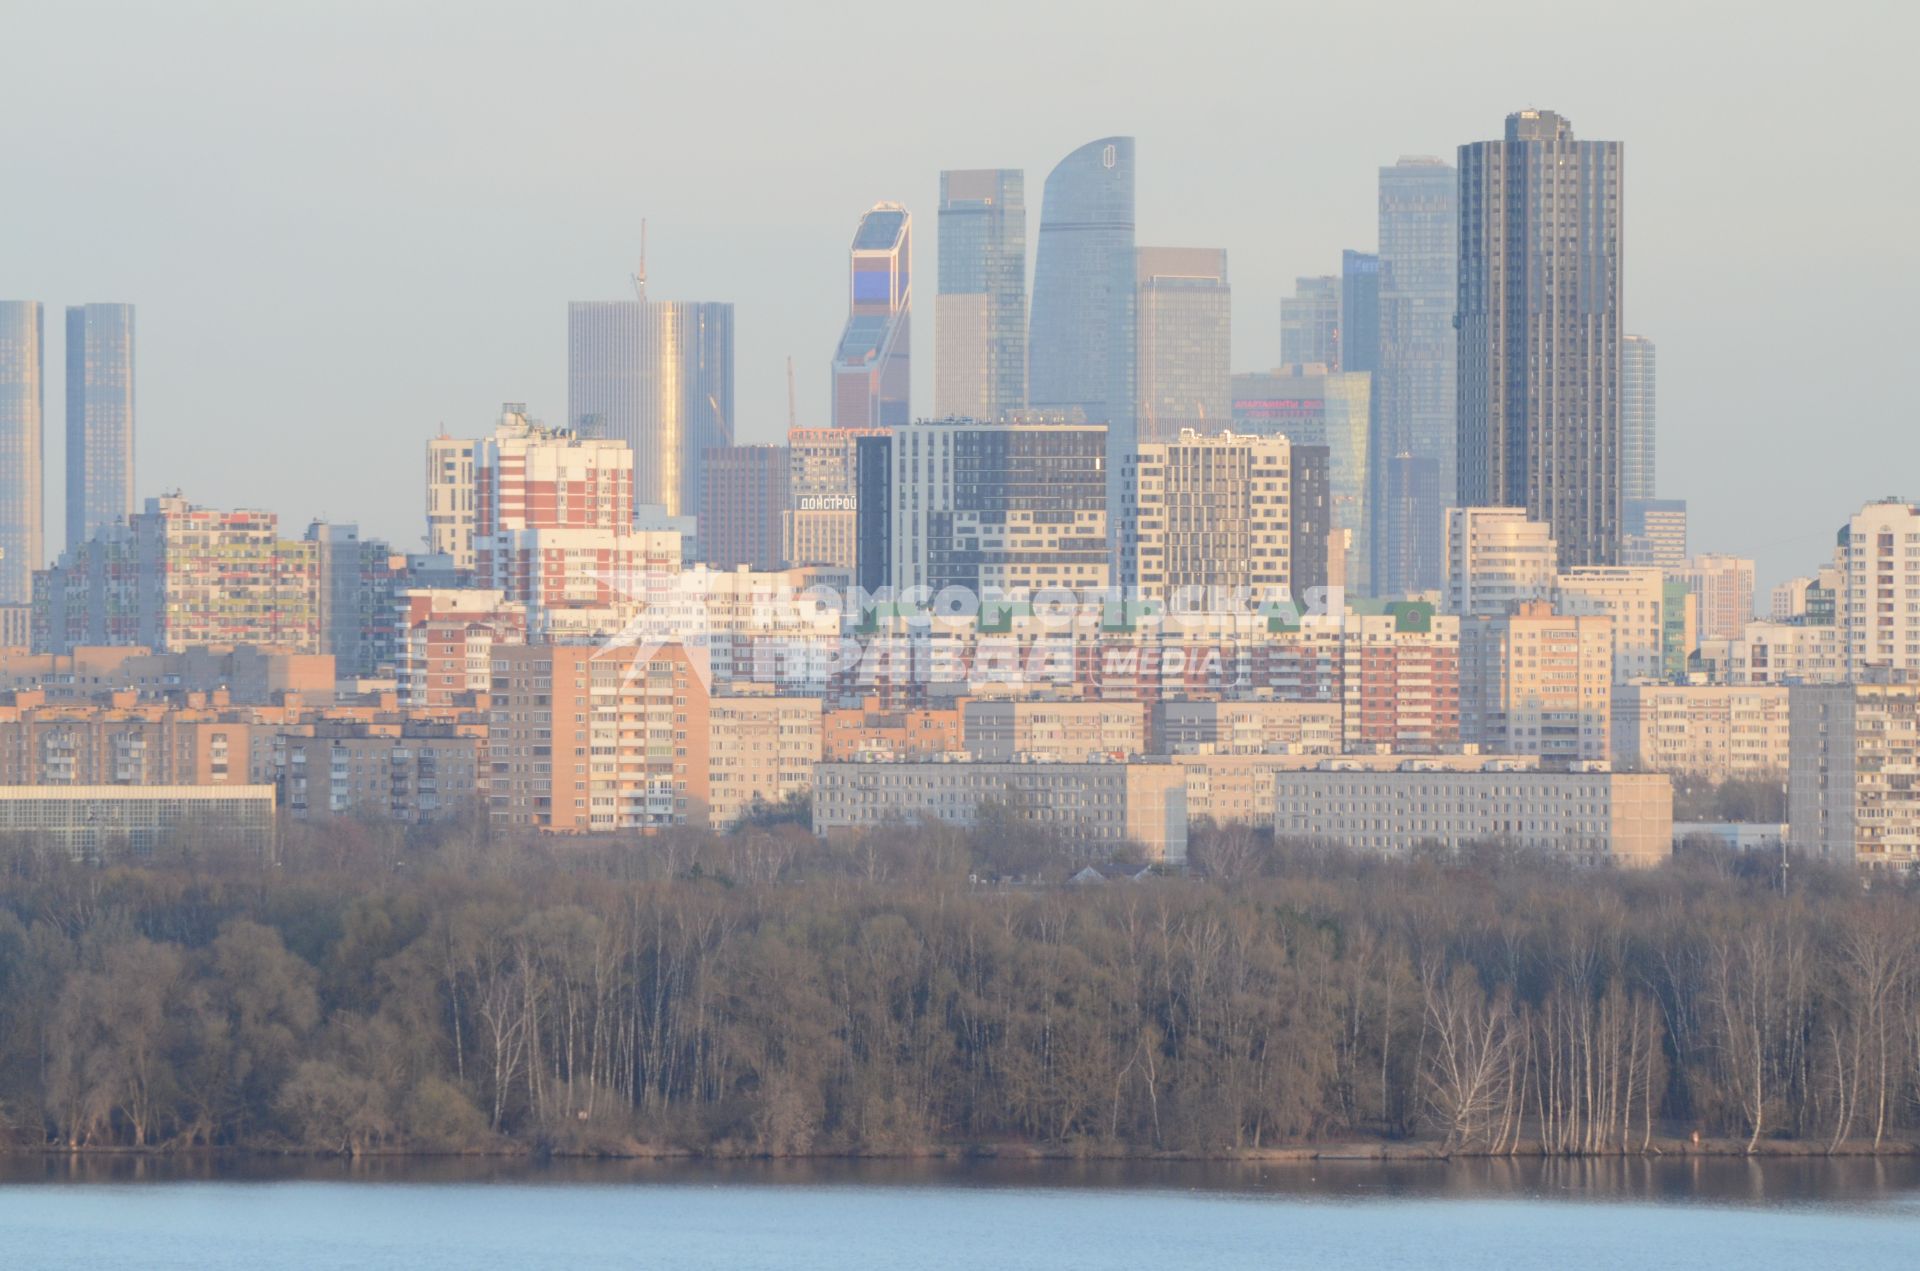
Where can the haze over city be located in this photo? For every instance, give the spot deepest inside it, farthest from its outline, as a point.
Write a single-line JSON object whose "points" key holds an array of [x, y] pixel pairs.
{"points": [[337, 244]]}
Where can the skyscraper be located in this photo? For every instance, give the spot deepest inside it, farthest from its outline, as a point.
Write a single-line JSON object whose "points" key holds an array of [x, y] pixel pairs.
{"points": [[1539, 331], [657, 375], [1637, 429], [980, 313], [1359, 311], [1185, 317], [99, 418], [1313, 407], [1080, 341], [1413, 385], [22, 400], [871, 368], [1310, 323], [744, 505]]}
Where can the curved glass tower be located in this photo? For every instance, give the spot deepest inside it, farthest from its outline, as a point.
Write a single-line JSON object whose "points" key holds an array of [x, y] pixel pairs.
{"points": [[22, 398], [1080, 340]]}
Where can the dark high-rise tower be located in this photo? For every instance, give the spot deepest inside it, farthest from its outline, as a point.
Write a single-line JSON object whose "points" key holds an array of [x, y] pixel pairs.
{"points": [[980, 313], [1539, 331], [99, 418], [22, 401], [1080, 342]]}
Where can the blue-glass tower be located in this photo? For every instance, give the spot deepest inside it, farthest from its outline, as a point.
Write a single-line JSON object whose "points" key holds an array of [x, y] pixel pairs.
{"points": [[1080, 340]]}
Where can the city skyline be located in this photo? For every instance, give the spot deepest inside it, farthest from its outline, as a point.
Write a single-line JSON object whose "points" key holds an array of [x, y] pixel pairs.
{"points": [[328, 211]]}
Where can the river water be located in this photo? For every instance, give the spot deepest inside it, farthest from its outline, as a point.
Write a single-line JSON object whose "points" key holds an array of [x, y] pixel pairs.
{"points": [[1323, 1215]]}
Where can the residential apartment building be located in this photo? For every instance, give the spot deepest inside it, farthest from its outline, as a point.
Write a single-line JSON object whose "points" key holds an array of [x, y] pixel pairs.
{"points": [[1707, 732], [744, 496], [1208, 519], [1497, 560], [1102, 805], [1882, 609], [1538, 683], [1854, 753], [109, 823], [874, 730], [1247, 727], [1635, 599], [590, 739], [1722, 588], [1067, 731], [760, 748], [178, 575], [407, 769], [1591, 817]]}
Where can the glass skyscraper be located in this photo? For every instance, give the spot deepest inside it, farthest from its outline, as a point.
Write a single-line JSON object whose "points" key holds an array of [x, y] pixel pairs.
{"points": [[1539, 331], [1080, 341], [657, 375], [99, 418], [871, 368], [980, 313], [1310, 323], [22, 401], [1185, 324], [1359, 311], [1637, 428], [1414, 386], [1329, 409]]}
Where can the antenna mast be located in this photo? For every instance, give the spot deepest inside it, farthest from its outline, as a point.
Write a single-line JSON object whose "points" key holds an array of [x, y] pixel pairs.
{"points": [[640, 277], [793, 413]]}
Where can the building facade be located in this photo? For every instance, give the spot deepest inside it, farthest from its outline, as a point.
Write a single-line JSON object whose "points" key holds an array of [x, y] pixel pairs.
{"points": [[1638, 432], [1497, 560], [1312, 406], [760, 750], [1209, 516], [1588, 817], [1310, 323], [997, 507], [22, 439], [1853, 751], [1081, 341], [980, 313], [872, 367], [1102, 805], [1708, 732], [585, 739], [657, 375], [1419, 264], [744, 498], [100, 414], [1539, 331], [1881, 546], [1185, 332]]}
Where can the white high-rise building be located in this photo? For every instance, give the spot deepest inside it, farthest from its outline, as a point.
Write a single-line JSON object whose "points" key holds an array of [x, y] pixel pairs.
{"points": [[1881, 612], [1722, 586], [1634, 599], [1206, 514], [1497, 560]]}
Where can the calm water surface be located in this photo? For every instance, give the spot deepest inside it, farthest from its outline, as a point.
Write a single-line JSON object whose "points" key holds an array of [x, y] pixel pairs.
{"points": [[1717, 1213]]}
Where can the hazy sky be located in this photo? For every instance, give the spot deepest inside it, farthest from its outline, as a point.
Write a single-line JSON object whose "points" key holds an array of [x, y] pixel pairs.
{"points": [[348, 224]]}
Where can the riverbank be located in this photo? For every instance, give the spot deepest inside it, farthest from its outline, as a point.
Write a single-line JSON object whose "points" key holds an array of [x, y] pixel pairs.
{"points": [[1016, 1153]]}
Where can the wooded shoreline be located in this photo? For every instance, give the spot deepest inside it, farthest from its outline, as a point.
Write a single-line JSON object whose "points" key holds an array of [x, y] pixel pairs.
{"points": [[767, 995]]}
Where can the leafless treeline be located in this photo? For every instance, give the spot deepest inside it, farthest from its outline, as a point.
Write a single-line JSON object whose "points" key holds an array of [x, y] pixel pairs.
{"points": [[767, 993]]}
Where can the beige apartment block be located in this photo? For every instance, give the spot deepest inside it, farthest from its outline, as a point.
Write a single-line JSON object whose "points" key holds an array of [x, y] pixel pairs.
{"points": [[1711, 732], [1592, 817], [1103, 805], [762, 747]]}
